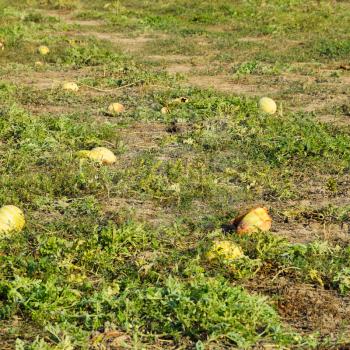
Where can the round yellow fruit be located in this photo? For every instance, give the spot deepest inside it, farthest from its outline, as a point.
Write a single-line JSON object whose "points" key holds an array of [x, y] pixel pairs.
{"points": [[164, 110], [267, 105], [2, 46], [43, 50], [99, 154], [115, 108], [225, 250], [255, 220], [70, 86], [11, 219]]}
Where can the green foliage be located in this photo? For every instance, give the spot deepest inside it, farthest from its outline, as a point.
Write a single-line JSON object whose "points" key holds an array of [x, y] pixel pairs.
{"points": [[247, 68], [334, 49], [123, 247], [318, 262], [201, 308], [12, 35], [88, 55], [342, 280], [47, 144]]}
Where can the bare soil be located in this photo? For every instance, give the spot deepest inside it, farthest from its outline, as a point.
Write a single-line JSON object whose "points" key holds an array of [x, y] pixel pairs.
{"points": [[313, 309]]}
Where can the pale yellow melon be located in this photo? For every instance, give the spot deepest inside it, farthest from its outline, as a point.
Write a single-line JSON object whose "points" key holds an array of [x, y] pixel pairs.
{"points": [[99, 154], [11, 219], [164, 110], [43, 50], [70, 86], [115, 108], [267, 105]]}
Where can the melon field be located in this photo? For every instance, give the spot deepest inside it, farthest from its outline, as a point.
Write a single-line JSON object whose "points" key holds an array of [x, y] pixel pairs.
{"points": [[133, 137]]}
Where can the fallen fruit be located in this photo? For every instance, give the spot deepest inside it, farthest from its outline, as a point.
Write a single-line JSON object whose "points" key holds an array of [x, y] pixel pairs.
{"points": [[99, 154], [2, 46], [70, 86], [267, 105], [43, 50], [164, 110], [39, 63], [180, 100], [255, 220], [11, 219], [115, 108], [224, 250]]}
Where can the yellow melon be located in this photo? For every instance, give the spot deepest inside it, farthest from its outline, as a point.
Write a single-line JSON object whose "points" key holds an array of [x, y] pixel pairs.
{"points": [[164, 110], [115, 108], [70, 86], [99, 154], [253, 221], [11, 219], [225, 250], [43, 50], [181, 100], [267, 105]]}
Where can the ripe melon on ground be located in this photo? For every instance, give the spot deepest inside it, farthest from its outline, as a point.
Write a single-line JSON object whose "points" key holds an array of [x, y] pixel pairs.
{"points": [[43, 50], [164, 110], [70, 86], [11, 219], [267, 105], [224, 250], [115, 108], [99, 154], [255, 220]]}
